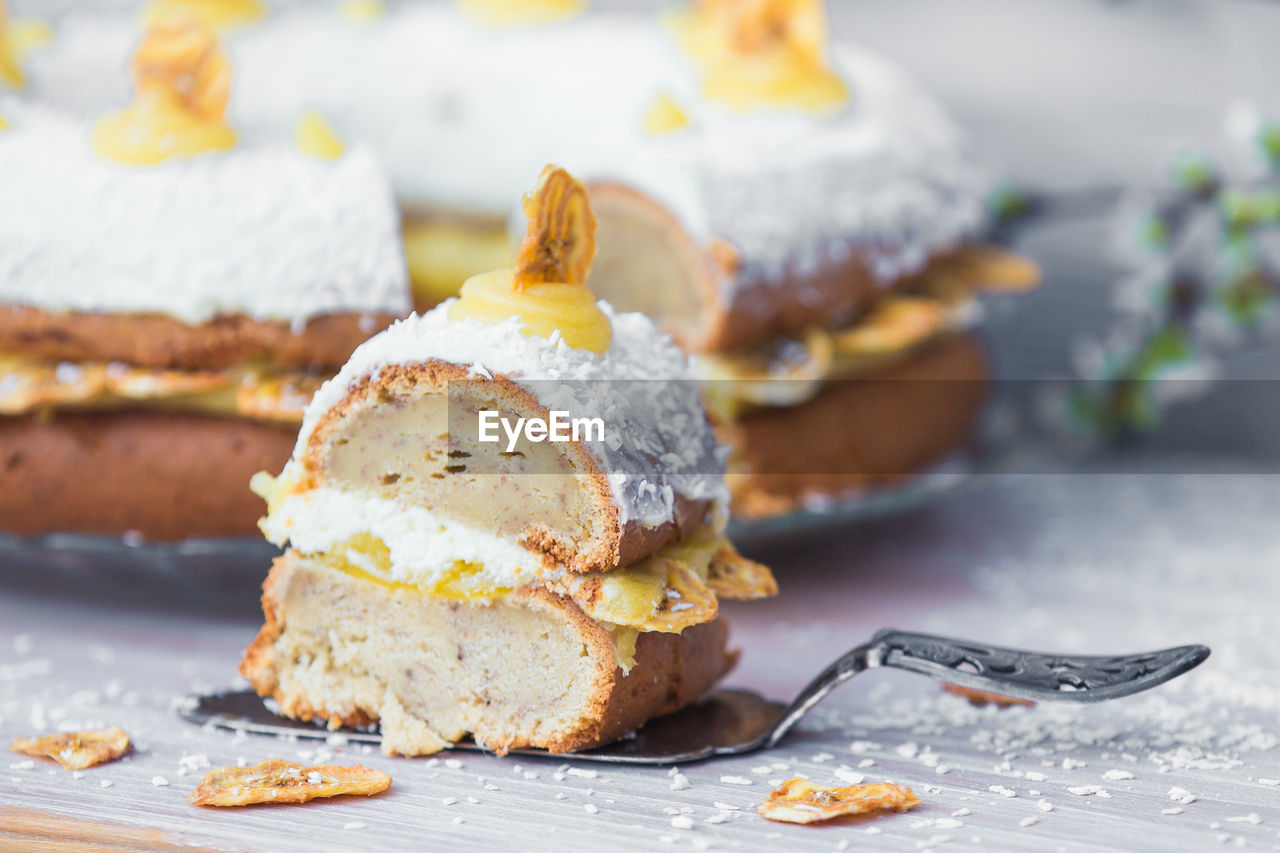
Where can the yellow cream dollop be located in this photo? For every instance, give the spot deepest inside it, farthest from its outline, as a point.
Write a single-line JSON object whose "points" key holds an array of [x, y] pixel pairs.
{"points": [[155, 128], [545, 308]]}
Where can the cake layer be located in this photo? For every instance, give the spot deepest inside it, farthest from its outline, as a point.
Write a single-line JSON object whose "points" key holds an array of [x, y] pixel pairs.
{"points": [[859, 433], [530, 670], [405, 437], [166, 476], [260, 231], [162, 341]]}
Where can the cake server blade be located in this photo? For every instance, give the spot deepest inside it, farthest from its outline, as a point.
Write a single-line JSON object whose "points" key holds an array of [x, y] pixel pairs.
{"points": [[730, 722]]}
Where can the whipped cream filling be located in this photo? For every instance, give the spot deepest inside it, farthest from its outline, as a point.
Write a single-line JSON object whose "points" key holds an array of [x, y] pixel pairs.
{"points": [[261, 231], [643, 385], [425, 547]]}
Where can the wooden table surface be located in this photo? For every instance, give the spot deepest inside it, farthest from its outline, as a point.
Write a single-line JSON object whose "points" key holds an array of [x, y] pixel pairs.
{"points": [[1084, 563]]}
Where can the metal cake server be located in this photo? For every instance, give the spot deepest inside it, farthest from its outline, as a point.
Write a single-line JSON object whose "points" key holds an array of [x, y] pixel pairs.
{"points": [[730, 722]]}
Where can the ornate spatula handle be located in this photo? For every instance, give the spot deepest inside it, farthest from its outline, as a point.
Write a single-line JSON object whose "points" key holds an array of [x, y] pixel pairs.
{"points": [[1017, 673]]}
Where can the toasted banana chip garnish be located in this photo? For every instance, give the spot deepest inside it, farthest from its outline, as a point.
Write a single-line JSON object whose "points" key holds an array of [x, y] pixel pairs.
{"points": [[278, 781], [561, 241], [894, 325], [733, 576], [980, 698], [959, 274], [688, 601], [180, 57], [76, 750], [801, 801], [143, 383]]}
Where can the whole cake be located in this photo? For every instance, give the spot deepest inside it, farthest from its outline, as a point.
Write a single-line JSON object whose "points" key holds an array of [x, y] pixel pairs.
{"points": [[525, 591], [170, 298]]}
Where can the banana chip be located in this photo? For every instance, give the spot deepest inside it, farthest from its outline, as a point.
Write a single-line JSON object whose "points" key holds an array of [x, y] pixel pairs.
{"points": [[278, 781], [733, 576], [180, 57], [76, 750], [688, 602], [801, 801], [981, 698], [958, 275], [561, 241], [894, 325]]}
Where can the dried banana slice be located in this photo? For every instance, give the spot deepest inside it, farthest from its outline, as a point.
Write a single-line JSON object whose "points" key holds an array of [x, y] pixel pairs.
{"points": [[733, 576], [801, 801], [561, 241], [278, 781], [76, 750], [180, 57], [892, 326]]}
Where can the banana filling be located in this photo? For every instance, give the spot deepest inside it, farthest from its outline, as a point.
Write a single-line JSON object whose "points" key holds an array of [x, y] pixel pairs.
{"points": [[256, 393]]}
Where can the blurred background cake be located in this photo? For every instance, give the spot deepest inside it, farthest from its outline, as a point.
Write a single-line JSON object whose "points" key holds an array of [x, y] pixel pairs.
{"points": [[799, 214], [170, 297]]}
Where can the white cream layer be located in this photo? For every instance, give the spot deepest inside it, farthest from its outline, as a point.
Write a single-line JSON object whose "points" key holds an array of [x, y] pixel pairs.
{"points": [[425, 547], [262, 231]]}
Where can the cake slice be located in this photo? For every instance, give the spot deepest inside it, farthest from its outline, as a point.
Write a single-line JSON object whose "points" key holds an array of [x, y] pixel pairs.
{"points": [[526, 592]]}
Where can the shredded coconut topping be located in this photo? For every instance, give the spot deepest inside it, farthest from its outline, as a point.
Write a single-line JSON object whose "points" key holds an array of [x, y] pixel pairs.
{"points": [[262, 231]]}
